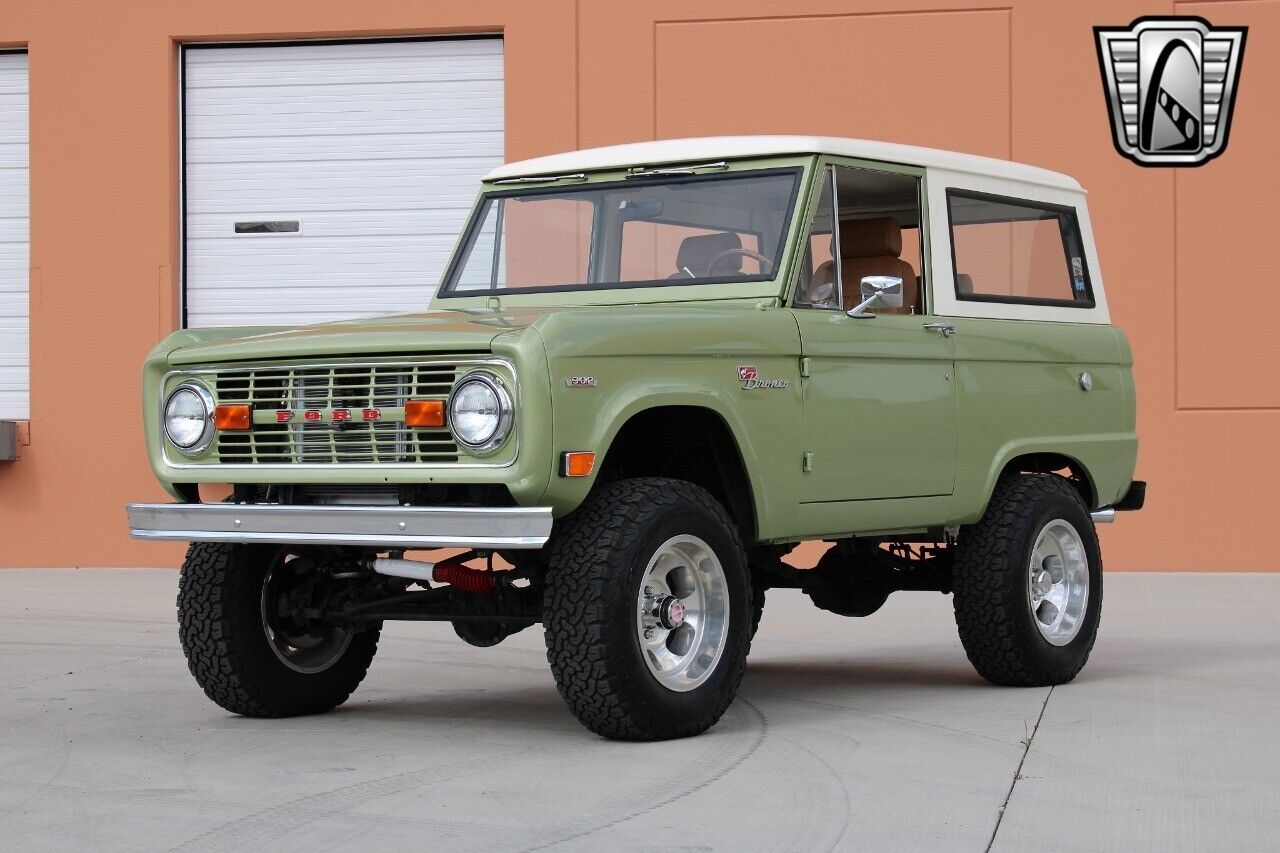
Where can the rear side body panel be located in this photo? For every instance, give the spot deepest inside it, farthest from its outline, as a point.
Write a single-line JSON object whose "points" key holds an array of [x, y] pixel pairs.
{"points": [[1021, 392]]}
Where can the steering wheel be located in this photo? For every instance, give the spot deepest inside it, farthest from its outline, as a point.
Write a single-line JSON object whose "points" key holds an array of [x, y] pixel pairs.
{"points": [[766, 266]]}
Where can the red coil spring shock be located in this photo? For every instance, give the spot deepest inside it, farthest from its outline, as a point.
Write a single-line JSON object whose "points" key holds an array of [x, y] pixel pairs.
{"points": [[452, 572]]}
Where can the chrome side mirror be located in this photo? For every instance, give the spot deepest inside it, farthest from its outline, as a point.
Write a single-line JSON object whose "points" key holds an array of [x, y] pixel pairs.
{"points": [[886, 288]]}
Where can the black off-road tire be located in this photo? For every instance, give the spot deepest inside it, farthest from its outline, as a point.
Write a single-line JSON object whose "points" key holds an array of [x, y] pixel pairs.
{"points": [[763, 562], [227, 650], [590, 607], [757, 609], [991, 582]]}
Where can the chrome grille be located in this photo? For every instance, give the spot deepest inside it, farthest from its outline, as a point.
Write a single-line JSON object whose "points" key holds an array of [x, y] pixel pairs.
{"points": [[356, 387]]}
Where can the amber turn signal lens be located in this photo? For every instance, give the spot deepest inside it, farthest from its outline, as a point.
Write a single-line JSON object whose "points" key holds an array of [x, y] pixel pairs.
{"points": [[577, 463], [424, 413], [235, 417]]}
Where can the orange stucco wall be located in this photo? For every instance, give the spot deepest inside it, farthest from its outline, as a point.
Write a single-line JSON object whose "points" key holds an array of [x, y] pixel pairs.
{"points": [[1184, 252]]}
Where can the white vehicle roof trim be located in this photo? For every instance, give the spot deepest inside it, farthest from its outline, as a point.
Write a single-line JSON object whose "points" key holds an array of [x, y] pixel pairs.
{"points": [[667, 151]]}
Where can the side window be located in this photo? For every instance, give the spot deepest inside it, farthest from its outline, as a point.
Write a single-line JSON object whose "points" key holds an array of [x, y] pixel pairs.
{"points": [[876, 232], [1008, 250], [880, 236]]}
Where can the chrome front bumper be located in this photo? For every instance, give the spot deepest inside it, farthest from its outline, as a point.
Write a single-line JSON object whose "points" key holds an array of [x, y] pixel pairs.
{"points": [[365, 526]]}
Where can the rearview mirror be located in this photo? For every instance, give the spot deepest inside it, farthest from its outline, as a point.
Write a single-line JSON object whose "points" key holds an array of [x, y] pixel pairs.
{"points": [[885, 288], [630, 210]]}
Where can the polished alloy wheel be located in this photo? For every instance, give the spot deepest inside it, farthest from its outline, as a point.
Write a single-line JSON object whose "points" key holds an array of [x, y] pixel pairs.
{"points": [[300, 644], [1058, 587], [683, 613]]}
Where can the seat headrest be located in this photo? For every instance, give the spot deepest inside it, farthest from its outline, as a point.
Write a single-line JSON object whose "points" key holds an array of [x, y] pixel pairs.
{"points": [[698, 252], [871, 238]]}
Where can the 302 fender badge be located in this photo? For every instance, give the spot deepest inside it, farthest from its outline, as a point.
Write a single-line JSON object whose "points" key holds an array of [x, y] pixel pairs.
{"points": [[749, 376], [580, 382]]}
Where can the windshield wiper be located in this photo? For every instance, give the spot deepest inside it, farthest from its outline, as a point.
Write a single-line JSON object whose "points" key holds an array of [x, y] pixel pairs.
{"points": [[641, 172], [543, 179]]}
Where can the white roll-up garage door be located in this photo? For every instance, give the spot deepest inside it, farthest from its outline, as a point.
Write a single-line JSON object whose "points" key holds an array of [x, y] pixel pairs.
{"points": [[329, 180], [15, 253]]}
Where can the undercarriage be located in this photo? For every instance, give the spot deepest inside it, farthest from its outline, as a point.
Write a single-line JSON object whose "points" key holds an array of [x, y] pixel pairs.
{"points": [[488, 597], [485, 605], [856, 576]]}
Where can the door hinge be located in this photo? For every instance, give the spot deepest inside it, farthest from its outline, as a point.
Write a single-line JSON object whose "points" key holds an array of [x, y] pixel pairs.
{"points": [[807, 465], [804, 366]]}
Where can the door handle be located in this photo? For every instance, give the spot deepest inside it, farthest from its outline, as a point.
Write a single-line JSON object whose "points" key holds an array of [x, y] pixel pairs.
{"points": [[946, 328]]}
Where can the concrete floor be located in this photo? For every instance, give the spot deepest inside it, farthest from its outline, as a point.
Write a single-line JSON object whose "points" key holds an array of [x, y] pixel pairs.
{"points": [[867, 734]]}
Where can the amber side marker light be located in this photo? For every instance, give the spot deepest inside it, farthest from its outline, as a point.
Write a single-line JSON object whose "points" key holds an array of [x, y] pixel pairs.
{"points": [[233, 417], [577, 463], [424, 413]]}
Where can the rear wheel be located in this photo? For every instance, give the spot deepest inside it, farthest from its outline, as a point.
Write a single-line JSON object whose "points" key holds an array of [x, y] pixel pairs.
{"points": [[246, 638], [648, 610], [1028, 584]]}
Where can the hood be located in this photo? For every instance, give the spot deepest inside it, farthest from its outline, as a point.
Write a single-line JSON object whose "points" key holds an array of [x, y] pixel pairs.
{"points": [[454, 330]]}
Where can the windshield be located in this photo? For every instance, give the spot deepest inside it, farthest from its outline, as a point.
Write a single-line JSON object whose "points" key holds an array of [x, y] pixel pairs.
{"points": [[642, 232]]}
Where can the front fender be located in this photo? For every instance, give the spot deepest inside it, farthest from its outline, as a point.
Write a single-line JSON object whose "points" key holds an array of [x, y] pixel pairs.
{"points": [[766, 423]]}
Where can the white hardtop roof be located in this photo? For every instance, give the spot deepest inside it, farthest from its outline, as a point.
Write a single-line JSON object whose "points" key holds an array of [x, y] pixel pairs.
{"points": [[715, 148]]}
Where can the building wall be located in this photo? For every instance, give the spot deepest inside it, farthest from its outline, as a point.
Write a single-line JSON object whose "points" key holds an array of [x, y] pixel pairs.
{"points": [[1182, 250]]}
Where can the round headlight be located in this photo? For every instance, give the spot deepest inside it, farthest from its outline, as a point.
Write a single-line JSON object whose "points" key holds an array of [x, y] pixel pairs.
{"points": [[480, 412], [188, 418]]}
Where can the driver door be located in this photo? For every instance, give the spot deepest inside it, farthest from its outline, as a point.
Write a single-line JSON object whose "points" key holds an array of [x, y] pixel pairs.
{"points": [[879, 394]]}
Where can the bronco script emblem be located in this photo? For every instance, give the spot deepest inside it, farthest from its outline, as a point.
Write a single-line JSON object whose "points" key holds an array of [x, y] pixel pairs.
{"points": [[750, 379], [1170, 85]]}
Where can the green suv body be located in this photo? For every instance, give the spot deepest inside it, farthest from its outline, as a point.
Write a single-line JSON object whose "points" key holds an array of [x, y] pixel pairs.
{"points": [[741, 342]]}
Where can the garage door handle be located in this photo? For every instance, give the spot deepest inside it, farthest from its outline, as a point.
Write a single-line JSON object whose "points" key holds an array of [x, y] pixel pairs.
{"points": [[278, 226], [946, 328]]}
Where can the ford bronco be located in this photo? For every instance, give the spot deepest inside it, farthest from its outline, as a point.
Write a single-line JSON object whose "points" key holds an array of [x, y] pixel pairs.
{"points": [[650, 371]]}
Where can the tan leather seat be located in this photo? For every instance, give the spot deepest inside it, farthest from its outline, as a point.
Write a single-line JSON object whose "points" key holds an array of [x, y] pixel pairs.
{"points": [[874, 247], [696, 254]]}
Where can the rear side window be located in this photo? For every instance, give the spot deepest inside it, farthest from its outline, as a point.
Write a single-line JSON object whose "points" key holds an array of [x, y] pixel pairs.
{"points": [[1014, 251]]}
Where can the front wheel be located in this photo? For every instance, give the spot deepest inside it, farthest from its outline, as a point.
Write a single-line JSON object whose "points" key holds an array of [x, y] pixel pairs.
{"points": [[245, 638], [1028, 584], [648, 610]]}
